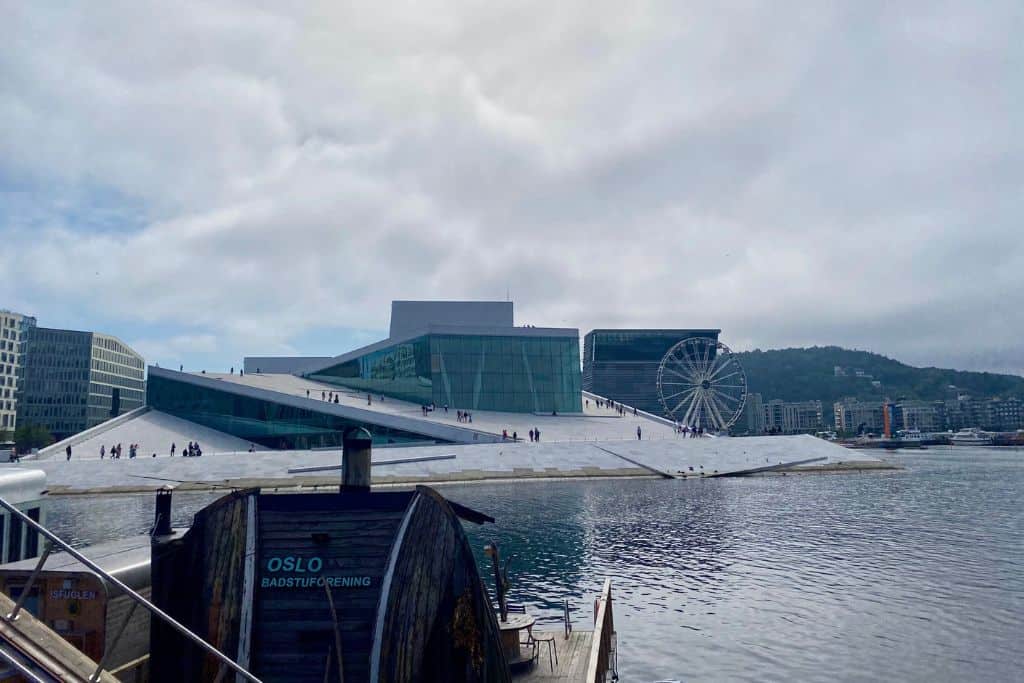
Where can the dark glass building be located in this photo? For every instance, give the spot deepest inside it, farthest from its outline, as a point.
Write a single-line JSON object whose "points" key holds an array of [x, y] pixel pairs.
{"points": [[73, 380], [467, 355], [622, 365], [261, 417], [523, 370]]}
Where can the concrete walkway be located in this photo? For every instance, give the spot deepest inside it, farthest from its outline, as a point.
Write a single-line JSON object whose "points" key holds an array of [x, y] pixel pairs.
{"points": [[498, 461]]}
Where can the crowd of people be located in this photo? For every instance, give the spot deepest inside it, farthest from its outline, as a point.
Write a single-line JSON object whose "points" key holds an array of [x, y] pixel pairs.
{"points": [[612, 405], [115, 452], [693, 432], [534, 435], [679, 428], [191, 451]]}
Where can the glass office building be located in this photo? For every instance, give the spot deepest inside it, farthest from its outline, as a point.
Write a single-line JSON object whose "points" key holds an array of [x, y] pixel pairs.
{"points": [[521, 370], [622, 365], [266, 422], [73, 380]]}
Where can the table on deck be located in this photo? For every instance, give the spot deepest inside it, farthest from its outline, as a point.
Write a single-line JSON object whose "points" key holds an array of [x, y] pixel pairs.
{"points": [[510, 629]]}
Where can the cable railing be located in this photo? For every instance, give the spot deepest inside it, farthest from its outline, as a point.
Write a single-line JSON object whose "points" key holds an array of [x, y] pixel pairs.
{"points": [[106, 577]]}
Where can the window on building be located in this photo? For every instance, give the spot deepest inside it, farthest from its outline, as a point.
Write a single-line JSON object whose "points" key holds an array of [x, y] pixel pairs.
{"points": [[31, 535], [14, 544]]}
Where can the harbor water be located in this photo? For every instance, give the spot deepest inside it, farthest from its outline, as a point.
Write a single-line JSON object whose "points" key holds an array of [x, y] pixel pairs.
{"points": [[912, 575]]}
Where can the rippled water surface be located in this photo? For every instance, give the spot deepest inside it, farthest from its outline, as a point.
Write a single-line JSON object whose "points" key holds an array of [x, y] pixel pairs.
{"points": [[911, 575]]}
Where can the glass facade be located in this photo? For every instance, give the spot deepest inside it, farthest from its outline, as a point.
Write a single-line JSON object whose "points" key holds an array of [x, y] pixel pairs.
{"points": [[520, 373], [623, 364], [401, 371], [264, 422], [73, 380]]}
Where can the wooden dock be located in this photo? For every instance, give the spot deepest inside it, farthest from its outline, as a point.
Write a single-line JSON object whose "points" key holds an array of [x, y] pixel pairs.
{"points": [[573, 657], [583, 657]]}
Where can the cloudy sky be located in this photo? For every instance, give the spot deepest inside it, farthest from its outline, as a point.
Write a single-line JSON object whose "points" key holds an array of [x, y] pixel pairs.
{"points": [[223, 179]]}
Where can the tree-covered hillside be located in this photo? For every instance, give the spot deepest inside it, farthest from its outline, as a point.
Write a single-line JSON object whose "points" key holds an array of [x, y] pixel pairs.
{"points": [[809, 374]]}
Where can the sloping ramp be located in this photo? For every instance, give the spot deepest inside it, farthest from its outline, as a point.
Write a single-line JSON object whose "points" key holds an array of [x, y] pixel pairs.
{"points": [[153, 430], [728, 456]]}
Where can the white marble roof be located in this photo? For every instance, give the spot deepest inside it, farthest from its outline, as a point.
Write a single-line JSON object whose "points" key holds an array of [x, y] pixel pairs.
{"points": [[593, 424]]}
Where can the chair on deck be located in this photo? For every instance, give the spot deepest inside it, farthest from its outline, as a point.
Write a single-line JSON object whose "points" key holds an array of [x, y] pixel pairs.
{"points": [[533, 641]]}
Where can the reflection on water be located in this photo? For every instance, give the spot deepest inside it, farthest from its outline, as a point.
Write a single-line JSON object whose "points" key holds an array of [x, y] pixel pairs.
{"points": [[914, 575]]}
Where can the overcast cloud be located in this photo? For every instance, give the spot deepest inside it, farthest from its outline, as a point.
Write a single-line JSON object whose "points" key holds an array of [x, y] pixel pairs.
{"points": [[208, 182]]}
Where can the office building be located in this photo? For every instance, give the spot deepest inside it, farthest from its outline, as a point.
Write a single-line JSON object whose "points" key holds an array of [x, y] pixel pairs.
{"points": [[75, 380], [622, 365], [14, 328], [752, 418], [857, 417], [1006, 414], [920, 415], [793, 417]]}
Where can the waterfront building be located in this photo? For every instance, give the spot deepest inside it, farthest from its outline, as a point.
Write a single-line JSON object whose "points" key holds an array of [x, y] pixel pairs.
{"points": [[793, 417], [465, 355], [964, 412], [264, 409], [74, 380], [752, 419], [623, 364], [14, 328], [443, 356], [853, 416], [921, 415], [1006, 414]]}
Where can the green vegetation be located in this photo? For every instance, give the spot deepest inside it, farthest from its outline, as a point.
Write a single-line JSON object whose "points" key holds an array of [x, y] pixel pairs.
{"points": [[809, 374], [6, 435], [32, 436]]}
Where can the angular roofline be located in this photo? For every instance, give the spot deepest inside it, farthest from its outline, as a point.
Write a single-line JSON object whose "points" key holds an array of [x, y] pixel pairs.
{"points": [[446, 329], [656, 330], [426, 428], [450, 301], [93, 333]]}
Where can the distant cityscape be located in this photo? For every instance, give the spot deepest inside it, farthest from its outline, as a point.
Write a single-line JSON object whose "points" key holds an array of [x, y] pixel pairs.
{"points": [[60, 382], [852, 416]]}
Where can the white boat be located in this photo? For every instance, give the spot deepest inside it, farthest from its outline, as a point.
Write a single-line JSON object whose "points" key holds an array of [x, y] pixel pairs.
{"points": [[904, 438], [25, 489], [971, 437]]}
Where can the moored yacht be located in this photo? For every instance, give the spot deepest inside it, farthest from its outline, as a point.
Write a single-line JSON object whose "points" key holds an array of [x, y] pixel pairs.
{"points": [[971, 437]]}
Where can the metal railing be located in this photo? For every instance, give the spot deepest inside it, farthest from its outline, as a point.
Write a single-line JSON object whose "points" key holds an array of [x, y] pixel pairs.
{"points": [[602, 647], [108, 578]]}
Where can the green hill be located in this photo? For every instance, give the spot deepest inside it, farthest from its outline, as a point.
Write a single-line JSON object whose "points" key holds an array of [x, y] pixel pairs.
{"points": [[809, 374]]}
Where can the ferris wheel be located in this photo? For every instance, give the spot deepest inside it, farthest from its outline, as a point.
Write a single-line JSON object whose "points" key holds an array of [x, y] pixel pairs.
{"points": [[702, 384]]}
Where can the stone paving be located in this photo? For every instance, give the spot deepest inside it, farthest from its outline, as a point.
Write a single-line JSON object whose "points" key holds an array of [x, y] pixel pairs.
{"points": [[472, 462], [597, 443]]}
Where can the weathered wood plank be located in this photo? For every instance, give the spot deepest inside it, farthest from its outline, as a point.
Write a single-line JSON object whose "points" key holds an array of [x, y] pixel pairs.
{"points": [[438, 619], [295, 627], [198, 580], [571, 665]]}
